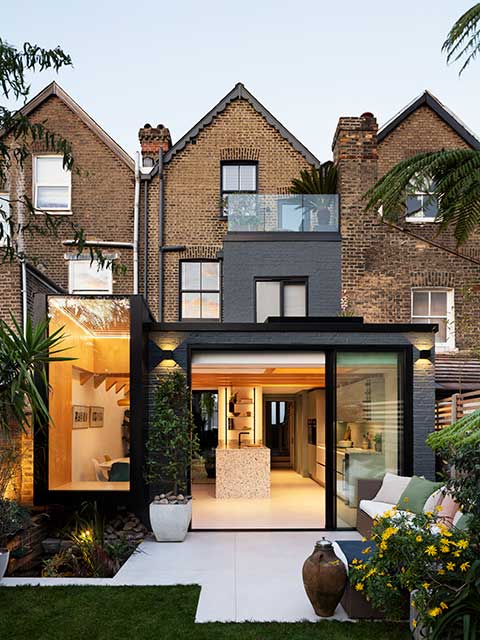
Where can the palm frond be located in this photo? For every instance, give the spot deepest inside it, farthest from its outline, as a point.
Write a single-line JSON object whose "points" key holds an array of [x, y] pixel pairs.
{"points": [[463, 40], [23, 360], [321, 180], [456, 187]]}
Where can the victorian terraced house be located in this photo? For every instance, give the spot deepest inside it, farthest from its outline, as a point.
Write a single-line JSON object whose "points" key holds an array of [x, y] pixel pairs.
{"points": [[308, 328]]}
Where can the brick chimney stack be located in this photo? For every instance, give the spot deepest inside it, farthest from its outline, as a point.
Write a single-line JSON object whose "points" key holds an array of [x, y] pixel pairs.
{"points": [[151, 140], [355, 152]]}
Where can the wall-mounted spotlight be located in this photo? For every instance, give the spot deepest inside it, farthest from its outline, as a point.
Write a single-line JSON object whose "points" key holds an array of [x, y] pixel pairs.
{"points": [[425, 354]]}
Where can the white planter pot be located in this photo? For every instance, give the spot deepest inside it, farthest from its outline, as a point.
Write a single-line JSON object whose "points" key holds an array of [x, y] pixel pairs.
{"points": [[170, 522], [4, 558]]}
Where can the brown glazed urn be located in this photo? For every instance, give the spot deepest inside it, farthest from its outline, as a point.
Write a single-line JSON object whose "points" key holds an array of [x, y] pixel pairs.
{"points": [[324, 578]]}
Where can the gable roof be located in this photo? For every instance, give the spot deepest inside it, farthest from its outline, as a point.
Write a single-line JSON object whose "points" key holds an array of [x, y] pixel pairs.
{"points": [[239, 92], [53, 89], [429, 100]]}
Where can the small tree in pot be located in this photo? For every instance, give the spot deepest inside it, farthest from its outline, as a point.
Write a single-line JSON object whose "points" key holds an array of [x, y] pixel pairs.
{"points": [[172, 444]]}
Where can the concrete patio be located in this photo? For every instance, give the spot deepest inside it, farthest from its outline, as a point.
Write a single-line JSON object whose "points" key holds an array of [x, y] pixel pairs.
{"points": [[254, 576]]}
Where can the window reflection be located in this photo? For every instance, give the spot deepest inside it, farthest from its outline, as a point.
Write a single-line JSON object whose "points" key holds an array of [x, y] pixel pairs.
{"points": [[89, 438], [369, 428]]}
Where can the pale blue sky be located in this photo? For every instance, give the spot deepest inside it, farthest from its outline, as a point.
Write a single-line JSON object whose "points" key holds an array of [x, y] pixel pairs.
{"points": [[308, 62]]}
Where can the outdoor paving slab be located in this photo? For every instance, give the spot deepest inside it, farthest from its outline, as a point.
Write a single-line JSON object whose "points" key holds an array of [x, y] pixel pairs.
{"points": [[254, 576]]}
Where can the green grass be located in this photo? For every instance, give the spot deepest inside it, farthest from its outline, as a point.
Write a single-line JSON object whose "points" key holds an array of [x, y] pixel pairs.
{"points": [[150, 613]]}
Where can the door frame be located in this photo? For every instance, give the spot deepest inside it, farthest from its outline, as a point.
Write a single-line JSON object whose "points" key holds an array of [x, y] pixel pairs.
{"points": [[406, 385]]}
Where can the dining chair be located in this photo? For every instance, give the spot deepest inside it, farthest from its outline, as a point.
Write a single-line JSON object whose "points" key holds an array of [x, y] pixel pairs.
{"points": [[120, 472], [99, 472]]}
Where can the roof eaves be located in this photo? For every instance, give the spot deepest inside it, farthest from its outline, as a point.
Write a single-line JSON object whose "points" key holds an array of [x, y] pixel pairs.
{"points": [[431, 101], [237, 93], [53, 89]]}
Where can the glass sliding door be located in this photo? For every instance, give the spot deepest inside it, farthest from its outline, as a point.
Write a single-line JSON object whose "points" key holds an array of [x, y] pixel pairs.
{"points": [[369, 429]]}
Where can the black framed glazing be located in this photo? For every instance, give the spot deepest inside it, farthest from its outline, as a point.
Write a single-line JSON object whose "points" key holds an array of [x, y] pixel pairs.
{"points": [[187, 290], [283, 281], [224, 192]]}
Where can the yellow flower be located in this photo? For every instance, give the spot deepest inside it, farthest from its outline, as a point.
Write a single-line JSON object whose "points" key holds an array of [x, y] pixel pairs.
{"points": [[443, 605], [426, 585], [367, 550], [389, 532], [446, 532], [464, 566], [419, 538], [405, 500], [387, 514], [383, 545], [436, 611], [450, 566], [431, 550], [359, 586], [444, 541], [462, 544], [364, 539], [389, 585], [355, 561], [456, 554], [414, 624], [413, 603], [441, 572], [444, 549], [429, 514], [438, 508]]}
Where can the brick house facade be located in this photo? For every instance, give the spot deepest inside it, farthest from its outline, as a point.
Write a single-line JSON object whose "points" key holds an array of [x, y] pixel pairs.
{"points": [[102, 199], [381, 263]]}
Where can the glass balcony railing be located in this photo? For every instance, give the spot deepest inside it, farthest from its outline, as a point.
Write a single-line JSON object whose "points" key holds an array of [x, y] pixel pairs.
{"points": [[281, 212]]}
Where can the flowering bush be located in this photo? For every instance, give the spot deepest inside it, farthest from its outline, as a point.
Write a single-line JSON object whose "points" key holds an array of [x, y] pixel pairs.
{"points": [[414, 553]]}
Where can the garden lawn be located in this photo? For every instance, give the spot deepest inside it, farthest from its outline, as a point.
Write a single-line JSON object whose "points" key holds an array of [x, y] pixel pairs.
{"points": [[150, 613]]}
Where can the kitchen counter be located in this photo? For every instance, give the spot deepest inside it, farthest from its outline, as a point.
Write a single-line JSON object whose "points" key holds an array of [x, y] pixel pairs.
{"points": [[242, 472]]}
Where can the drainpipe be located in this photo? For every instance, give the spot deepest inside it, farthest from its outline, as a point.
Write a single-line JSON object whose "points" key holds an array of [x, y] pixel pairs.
{"points": [[24, 295], [145, 241], [160, 235], [136, 222]]}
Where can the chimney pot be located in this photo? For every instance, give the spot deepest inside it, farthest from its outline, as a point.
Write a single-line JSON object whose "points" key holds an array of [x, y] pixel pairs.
{"points": [[152, 139]]}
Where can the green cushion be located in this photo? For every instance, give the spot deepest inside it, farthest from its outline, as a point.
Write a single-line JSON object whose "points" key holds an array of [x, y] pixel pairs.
{"points": [[120, 472], [416, 493]]}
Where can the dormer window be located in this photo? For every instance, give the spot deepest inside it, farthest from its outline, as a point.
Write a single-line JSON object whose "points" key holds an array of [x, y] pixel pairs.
{"points": [[52, 185]]}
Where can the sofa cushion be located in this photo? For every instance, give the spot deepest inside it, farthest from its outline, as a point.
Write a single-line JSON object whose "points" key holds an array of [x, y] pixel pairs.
{"points": [[375, 509], [416, 494], [434, 500], [448, 510], [392, 488]]}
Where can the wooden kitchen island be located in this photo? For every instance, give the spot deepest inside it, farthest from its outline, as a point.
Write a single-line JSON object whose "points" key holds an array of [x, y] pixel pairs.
{"points": [[242, 472]]}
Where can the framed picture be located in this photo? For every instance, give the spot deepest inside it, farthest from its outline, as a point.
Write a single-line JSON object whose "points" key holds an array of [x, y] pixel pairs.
{"points": [[96, 417], [80, 416]]}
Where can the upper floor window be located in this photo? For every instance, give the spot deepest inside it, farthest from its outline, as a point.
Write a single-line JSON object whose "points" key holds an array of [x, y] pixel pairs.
{"points": [[422, 205], [280, 298], [200, 290], [52, 185], [436, 306], [4, 218], [239, 177], [86, 277]]}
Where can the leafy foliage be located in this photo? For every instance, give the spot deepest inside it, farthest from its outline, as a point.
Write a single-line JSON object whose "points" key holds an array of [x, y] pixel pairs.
{"points": [[23, 359], [9, 463], [322, 180], [459, 446], [463, 40], [455, 175], [13, 517], [172, 441], [417, 553], [18, 133]]}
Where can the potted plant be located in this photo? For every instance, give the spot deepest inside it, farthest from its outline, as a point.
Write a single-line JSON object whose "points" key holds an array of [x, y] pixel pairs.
{"points": [[13, 517], [171, 446]]}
